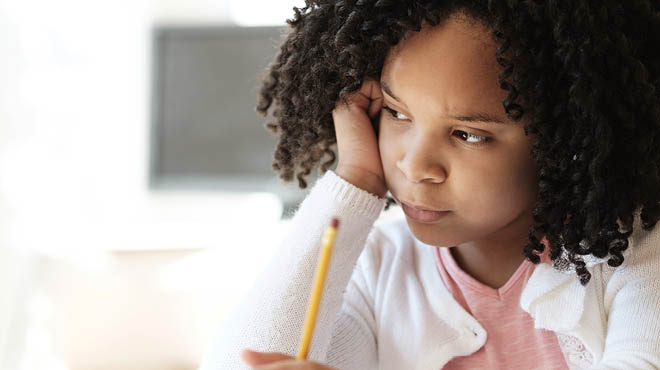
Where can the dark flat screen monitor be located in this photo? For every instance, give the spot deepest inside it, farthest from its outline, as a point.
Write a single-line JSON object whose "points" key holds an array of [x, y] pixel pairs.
{"points": [[206, 134]]}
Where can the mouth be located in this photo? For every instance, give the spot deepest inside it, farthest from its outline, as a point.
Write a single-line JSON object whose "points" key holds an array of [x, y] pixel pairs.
{"points": [[421, 213], [418, 206]]}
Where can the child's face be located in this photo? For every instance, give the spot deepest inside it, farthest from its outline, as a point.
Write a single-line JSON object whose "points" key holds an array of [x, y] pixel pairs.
{"points": [[488, 185]]}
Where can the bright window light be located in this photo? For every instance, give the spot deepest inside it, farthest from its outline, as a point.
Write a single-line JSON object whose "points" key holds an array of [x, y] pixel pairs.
{"points": [[251, 13]]}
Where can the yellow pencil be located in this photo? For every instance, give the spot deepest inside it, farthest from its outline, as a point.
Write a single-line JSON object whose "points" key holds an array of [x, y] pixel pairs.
{"points": [[329, 238]]}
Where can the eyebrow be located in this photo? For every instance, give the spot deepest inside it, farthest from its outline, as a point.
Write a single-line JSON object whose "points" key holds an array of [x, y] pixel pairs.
{"points": [[470, 117]]}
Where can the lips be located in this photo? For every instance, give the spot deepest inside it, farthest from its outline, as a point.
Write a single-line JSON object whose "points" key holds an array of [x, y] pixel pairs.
{"points": [[422, 214], [420, 207]]}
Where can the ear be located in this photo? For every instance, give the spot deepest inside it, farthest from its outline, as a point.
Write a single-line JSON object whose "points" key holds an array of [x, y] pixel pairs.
{"points": [[254, 358]]}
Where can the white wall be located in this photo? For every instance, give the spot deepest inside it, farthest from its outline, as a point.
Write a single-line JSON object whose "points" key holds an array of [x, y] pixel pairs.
{"points": [[75, 109]]}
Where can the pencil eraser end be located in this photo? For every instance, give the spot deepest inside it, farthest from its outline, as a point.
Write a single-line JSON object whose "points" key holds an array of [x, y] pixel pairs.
{"points": [[335, 222]]}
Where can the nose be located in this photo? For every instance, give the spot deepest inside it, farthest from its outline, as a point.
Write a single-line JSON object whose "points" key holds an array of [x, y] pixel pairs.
{"points": [[421, 164]]}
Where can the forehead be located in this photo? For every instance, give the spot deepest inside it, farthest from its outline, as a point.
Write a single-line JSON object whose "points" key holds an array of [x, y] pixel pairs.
{"points": [[449, 67]]}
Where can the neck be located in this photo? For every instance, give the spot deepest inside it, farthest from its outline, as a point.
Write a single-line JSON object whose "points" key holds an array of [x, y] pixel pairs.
{"points": [[492, 260]]}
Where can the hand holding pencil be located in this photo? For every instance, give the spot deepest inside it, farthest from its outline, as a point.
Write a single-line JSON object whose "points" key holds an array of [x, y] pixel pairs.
{"points": [[273, 360]]}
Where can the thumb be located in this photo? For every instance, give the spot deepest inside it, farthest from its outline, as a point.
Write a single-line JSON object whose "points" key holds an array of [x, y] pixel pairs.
{"points": [[255, 358]]}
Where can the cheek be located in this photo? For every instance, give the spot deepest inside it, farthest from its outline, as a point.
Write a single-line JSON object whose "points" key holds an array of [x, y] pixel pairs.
{"points": [[389, 146], [502, 188]]}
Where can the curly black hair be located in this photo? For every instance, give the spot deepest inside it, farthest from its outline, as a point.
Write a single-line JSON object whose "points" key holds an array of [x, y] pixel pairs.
{"points": [[586, 72]]}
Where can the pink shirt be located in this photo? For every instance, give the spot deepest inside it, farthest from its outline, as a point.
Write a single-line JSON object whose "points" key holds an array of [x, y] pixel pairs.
{"points": [[512, 341]]}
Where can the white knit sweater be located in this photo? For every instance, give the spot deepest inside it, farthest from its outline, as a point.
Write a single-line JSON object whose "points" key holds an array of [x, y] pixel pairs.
{"points": [[385, 306]]}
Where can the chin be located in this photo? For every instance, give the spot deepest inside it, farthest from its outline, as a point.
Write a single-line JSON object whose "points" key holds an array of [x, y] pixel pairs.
{"points": [[432, 234]]}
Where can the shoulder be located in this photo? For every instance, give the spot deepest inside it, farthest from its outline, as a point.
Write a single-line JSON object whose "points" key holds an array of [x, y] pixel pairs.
{"points": [[641, 258], [644, 244]]}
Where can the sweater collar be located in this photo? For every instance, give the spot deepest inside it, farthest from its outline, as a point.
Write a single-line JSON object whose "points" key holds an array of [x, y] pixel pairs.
{"points": [[555, 298]]}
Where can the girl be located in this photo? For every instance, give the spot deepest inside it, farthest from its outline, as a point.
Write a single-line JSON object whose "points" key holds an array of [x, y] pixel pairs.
{"points": [[521, 139]]}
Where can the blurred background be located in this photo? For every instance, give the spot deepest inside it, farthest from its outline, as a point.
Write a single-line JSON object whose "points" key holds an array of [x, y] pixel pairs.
{"points": [[134, 173]]}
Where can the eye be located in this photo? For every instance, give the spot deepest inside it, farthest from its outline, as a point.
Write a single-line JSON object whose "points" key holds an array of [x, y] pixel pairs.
{"points": [[471, 138], [397, 116]]}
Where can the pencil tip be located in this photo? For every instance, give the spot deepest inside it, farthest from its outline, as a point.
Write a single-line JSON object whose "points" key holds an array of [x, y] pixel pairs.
{"points": [[335, 222]]}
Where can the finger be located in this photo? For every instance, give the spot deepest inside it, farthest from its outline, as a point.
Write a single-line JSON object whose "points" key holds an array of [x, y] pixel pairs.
{"points": [[282, 365], [255, 358], [292, 365], [368, 97], [375, 98], [374, 109]]}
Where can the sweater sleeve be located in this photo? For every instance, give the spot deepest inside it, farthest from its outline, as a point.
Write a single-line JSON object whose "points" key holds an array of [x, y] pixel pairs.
{"points": [[271, 316], [353, 342]]}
